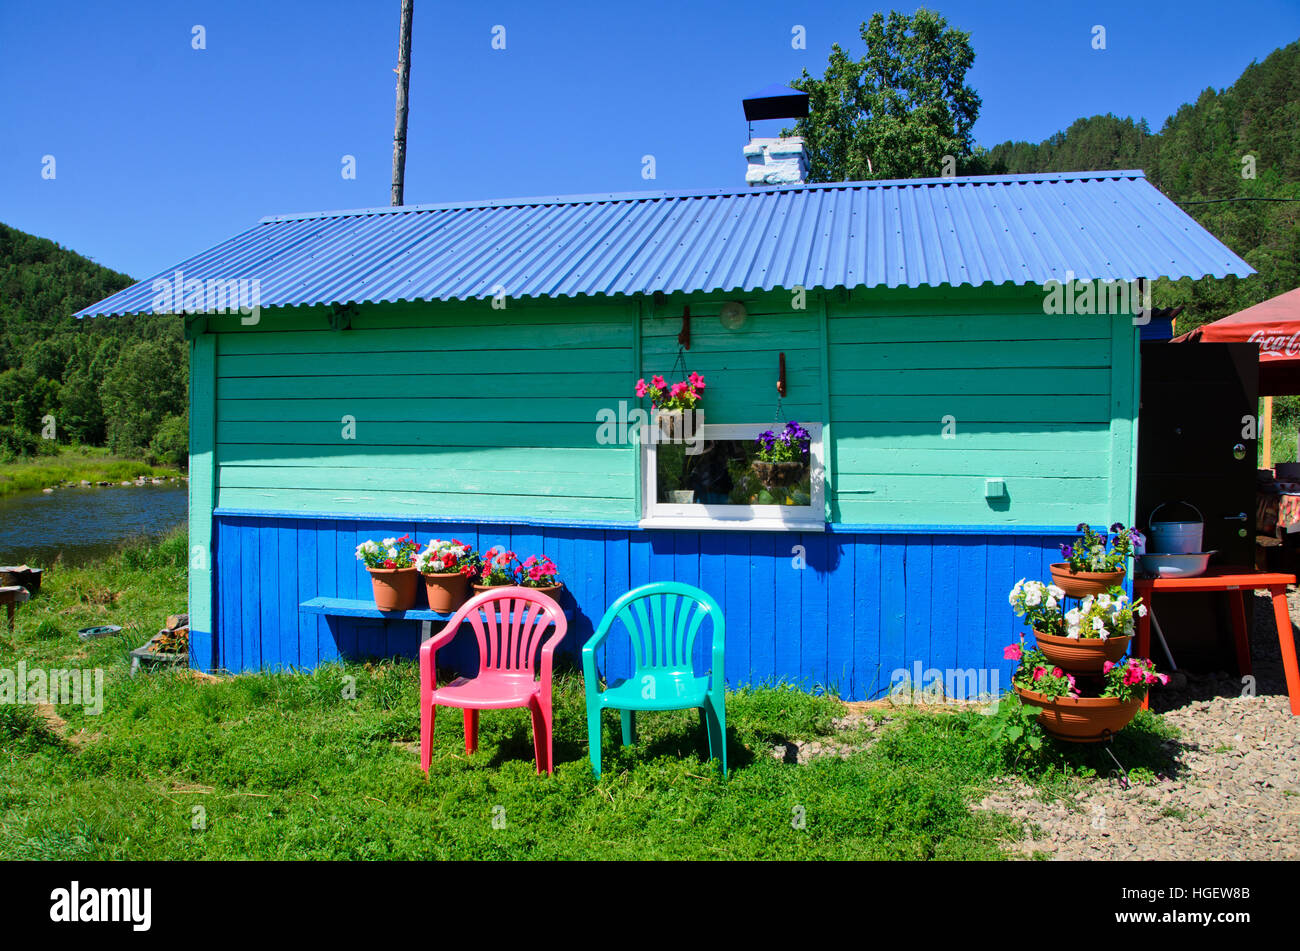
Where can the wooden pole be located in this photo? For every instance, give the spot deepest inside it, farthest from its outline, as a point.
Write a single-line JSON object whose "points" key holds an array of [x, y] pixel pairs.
{"points": [[403, 86], [1267, 432]]}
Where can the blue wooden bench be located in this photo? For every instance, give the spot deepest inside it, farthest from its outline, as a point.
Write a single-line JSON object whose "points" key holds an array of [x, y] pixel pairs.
{"points": [[355, 607]]}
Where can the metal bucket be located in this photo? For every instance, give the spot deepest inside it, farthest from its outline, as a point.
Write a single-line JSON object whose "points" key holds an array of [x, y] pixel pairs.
{"points": [[1175, 538]]}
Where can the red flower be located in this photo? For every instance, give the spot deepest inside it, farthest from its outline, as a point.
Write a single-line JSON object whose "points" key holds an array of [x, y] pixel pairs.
{"points": [[389, 563]]}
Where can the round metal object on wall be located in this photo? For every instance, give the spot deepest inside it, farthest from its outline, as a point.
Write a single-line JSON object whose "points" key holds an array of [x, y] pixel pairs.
{"points": [[733, 315]]}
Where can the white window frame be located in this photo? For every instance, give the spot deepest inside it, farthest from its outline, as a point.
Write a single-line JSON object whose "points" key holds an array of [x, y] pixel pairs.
{"points": [[796, 518]]}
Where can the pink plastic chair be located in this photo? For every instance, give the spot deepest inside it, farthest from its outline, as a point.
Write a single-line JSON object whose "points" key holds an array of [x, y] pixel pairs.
{"points": [[510, 624]]}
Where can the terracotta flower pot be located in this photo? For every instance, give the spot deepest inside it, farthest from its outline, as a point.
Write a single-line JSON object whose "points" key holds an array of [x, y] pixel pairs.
{"points": [[1084, 655], [447, 591], [774, 474], [394, 587], [480, 588], [1080, 584], [1081, 719], [551, 590]]}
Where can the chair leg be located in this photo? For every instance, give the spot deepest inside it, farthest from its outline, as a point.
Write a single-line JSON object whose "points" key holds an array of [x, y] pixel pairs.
{"points": [[427, 713], [471, 730], [629, 726], [541, 736], [706, 726], [717, 716], [593, 737]]}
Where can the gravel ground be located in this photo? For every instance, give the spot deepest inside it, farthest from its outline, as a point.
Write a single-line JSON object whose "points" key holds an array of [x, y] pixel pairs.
{"points": [[1233, 793]]}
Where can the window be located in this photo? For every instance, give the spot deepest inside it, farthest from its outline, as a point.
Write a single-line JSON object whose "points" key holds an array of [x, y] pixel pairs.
{"points": [[710, 482]]}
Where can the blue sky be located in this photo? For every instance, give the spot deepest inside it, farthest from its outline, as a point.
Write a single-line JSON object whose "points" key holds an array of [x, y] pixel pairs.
{"points": [[161, 150]]}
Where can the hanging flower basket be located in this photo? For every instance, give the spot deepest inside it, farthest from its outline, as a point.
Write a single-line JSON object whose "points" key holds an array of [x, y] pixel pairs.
{"points": [[778, 474]]}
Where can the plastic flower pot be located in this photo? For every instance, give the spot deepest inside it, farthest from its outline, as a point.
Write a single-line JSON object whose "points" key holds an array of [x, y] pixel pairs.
{"points": [[1082, 719], [395, 588], [447, 591], [1080, 584], [1083, 655]]}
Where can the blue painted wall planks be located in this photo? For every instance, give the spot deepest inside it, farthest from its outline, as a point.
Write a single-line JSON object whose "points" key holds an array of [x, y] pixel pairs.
{"points": [[864, 607]]}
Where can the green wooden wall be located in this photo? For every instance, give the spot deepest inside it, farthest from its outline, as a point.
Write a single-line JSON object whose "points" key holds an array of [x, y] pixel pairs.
{"points": [[466, 411], [933, 394], [460, 410]]}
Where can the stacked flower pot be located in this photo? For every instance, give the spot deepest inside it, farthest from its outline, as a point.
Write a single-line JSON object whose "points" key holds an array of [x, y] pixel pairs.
{"points": [[1076, 673]]}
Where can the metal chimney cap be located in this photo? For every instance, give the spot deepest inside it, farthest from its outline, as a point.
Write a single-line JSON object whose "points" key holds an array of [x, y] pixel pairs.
{"points": [[776, 102]]}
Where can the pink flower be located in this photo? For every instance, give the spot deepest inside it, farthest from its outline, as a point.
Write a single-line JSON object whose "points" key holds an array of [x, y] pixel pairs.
{"points": [[1106, 667], [1057, 672], [1163, 678], [697, 381], [677, 389], [534, 573], [658, 382], [1039, 672], [1012, 652], [530, 561], [641, 388]]}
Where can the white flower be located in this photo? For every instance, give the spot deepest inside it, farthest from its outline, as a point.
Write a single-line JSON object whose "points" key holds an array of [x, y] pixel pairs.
{"points": [[1103, 600], [1051, 604], [1098, 624], [1056, 593], [1033, 598], [1073, 616], [389, 542], [392, 552], [1140, 610], [1073, 632]]}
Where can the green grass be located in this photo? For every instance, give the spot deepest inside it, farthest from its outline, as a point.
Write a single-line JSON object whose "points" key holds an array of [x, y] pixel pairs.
{"points": [[324, 765], [73, 464]]}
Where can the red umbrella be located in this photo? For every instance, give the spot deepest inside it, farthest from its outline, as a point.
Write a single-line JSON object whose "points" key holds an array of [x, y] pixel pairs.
{"points": [[1275, 326]]}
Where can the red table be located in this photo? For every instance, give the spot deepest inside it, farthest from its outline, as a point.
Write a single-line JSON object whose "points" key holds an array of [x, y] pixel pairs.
{"points": [[1233, 581]]}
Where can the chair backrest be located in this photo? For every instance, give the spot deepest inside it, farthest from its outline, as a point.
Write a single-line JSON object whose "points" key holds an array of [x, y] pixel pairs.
{"points": [[663, 619], [510, 625]]}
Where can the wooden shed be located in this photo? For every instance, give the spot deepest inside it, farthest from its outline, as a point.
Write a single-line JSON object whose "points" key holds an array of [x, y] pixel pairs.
{"points": [[454, 370]]}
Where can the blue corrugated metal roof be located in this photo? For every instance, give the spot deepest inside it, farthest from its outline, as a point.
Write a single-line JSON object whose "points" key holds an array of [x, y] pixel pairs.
{"points": [[940, 231]]}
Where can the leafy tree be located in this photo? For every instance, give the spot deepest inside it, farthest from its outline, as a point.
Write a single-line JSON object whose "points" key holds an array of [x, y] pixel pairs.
{"points": [[897, 111], [146, 385], [171, 442]]}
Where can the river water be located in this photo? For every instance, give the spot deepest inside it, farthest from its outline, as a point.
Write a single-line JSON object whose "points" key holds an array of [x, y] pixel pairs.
{"points": [[84, 524]]}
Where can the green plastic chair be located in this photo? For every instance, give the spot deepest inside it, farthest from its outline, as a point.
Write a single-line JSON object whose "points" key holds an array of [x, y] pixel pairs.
{"points": [[662, 620]]}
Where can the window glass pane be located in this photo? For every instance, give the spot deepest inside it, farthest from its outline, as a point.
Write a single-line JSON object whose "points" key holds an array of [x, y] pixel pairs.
{"points": [[722, 473]]}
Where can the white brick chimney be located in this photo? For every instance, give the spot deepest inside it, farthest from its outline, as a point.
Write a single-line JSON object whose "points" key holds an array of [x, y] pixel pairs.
{"points": [[779, 161]]}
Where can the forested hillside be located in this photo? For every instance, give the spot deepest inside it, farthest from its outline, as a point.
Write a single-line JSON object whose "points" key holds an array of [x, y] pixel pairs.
{"points": [[1204, 157], [120, 382]]}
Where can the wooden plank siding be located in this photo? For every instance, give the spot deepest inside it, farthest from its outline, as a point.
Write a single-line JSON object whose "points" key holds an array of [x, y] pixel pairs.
{"points": [[1045, 403], [460, 410], [864, 608]]}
